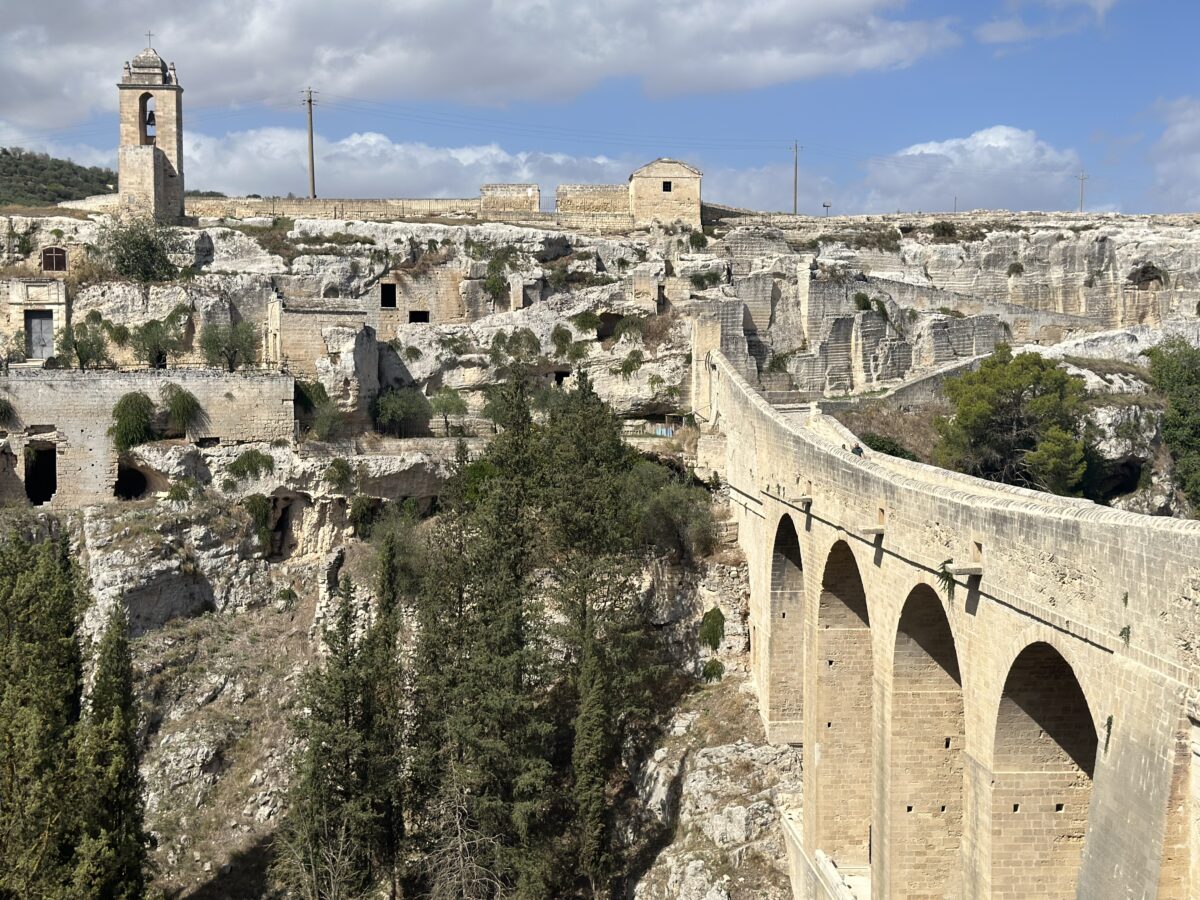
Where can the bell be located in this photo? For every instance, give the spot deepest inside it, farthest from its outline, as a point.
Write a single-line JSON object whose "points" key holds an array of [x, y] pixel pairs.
{"points": [[150, 119]]}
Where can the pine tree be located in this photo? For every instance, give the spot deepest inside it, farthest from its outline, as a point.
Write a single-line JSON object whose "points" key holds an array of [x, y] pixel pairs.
{"points": [[110, 856], [40, 681]]}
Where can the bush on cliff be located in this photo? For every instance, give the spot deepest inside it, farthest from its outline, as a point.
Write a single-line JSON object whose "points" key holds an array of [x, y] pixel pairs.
{"points": [[132, 421], [139, 249], [1019, 420], [229, 346]]}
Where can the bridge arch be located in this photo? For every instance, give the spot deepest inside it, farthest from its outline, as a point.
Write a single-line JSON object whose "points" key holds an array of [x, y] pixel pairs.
{"points": [[844, 713], [777, 644], [925, 778], [1043, 763]]}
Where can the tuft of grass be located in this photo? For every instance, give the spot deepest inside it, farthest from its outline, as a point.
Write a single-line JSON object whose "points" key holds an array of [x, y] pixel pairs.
{"points": [[712, 628], [251, 464], [183, 409], [131, 421], [259, 509]]}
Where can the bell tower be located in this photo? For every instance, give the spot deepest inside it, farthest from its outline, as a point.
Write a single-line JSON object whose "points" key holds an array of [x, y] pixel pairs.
{"points": [[150, 160]]}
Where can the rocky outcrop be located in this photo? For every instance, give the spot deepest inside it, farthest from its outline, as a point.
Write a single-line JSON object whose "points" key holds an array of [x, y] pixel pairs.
{"points": [[720, 801]]}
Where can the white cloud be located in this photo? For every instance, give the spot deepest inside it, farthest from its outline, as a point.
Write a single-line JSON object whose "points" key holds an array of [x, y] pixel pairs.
{"points": [[58, 69], [995, 168], [1176, 156], [274, 161], [1051, 18]]}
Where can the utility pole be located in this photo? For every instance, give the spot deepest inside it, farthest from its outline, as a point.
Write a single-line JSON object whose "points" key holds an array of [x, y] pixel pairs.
{"points": [[827, 204], [312, 174], [796, 148], [1083, 176], [956, 204]]}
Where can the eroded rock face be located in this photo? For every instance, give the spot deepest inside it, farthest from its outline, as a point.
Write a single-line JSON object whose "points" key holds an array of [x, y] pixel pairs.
{"points": [[722, 803]]}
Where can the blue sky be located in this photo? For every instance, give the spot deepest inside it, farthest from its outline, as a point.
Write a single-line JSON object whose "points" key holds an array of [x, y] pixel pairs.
{"points": [[898, 105]]}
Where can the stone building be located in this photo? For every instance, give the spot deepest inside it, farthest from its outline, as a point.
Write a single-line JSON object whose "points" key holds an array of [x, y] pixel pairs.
{"points": [[150, 161], [665, 190]]}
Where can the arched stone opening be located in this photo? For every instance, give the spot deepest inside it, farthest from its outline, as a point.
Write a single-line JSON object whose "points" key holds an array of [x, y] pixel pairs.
{"points": [[925, 796], [135, 480], [1043, 763], [147, 123], [779, 672], [843, 714], [41, 472]]}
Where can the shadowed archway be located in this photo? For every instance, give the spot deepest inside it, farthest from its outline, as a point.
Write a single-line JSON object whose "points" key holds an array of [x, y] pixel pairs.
{"points": [[1044, 760], [780, 672], [843, 714], [925, 796]]}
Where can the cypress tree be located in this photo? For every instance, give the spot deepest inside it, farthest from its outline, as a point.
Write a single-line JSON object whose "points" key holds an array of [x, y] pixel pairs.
{"points": [[40, 680], [326, 844], [110, 856], [590, 762]]}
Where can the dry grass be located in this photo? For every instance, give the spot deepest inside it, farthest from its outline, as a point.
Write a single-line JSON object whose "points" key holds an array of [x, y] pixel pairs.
{"points": [[912, 428], [44, 212]]}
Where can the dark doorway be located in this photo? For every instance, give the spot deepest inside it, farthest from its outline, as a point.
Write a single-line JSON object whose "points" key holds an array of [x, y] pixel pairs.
{"points": [[39, 333], [41, 472], [418, 315], [387, 296], [560, 376], [131, 483]]}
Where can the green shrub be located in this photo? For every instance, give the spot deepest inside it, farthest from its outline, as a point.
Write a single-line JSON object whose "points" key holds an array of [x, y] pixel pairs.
{"points": [[398, 410], [714, 670], [677, 519], [861, 301], [229, 346], [251, 464], [712, 628], [308, 395], [884, 444], [258, 508], [630, 364], [132, 418], [183, 409], [340, 476], [881, 309], [944, 231], [363, 513], [952, 313], [1016, 269], [327, 421], [138, 249], [155, 341], [85, 343], [697, 240], [561, 337], [412, 354], [179, 493], [447, 402], [457, 344], [635, 325], [704, 280], [228, 485], [586, 320]]}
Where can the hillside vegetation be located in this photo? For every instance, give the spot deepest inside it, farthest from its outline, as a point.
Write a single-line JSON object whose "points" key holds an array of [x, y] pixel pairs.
{"points": [[35, 179]]}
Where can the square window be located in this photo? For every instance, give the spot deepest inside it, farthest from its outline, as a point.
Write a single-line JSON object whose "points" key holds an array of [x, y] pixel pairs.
{"points": [[666, 187], [418, 315]]}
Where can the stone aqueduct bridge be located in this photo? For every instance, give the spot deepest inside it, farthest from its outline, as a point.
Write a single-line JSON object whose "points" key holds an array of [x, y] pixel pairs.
{"points": [[1031, 734]]}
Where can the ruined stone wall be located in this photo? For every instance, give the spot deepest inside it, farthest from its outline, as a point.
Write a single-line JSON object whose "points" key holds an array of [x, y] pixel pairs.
{"points": [[510, 198], [367, 210], [302, 332], [1113, 594], [73, 411]]}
